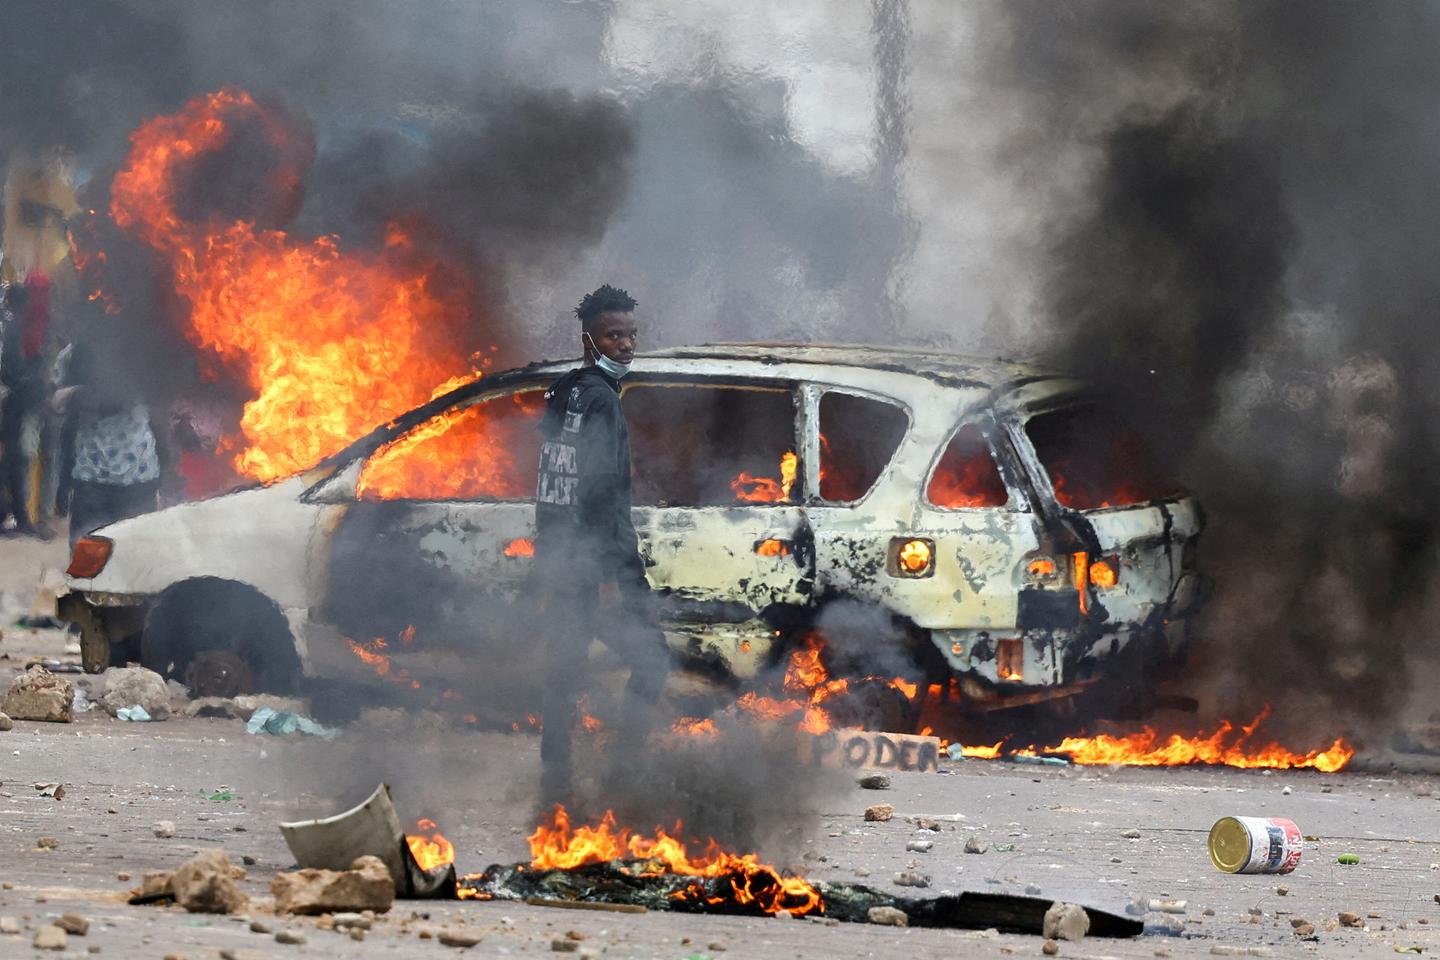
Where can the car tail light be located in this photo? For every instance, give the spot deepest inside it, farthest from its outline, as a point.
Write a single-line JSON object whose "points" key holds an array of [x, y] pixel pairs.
{"points": [[89, 557], [1105, 572], [913, 557]]}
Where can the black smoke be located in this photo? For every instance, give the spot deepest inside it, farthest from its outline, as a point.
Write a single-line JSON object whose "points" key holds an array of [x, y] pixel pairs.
{"points": [[1251, 273]]}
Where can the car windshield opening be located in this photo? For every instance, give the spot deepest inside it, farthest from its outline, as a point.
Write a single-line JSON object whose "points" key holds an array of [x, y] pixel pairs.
{"points": [[699, 445], [966, 476], [858, 437], [485, 451], [1096, 460]]}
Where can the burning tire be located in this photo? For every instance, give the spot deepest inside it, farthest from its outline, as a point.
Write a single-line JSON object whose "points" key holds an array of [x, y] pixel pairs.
{"points": [[202, 622]]}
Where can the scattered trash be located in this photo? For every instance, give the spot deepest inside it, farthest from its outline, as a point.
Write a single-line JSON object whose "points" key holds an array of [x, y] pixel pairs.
{"points": [[877, 781], [911, 879], [1040, 761], [56, 790], [279, 723], [956, 751], [1165, 927], [879, 813], [135, 714], [919, 846], [39, 622], [219, 796], [82, 702], [1032, 889], [1348, 859], [1413, 948], [1166, 906], [1004, 848], [1255, 845], [1286, 792]]}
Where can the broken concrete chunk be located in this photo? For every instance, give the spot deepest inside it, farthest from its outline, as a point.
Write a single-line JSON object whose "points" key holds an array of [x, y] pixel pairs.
{"points": [[974, 845], [49, 937], [365, 886], [38, 694], [6, 723], [135, 687], [888, 916], [1131, 834], [911, 879], [164, 829], [73, 923], [919, 846], [1066, 921], [879, 813], [1348, 919], [206, 884]]}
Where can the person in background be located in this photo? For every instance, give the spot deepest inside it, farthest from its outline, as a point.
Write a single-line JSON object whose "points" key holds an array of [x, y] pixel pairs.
{"points": [[586, 550], [117, 460], [24, 316]]}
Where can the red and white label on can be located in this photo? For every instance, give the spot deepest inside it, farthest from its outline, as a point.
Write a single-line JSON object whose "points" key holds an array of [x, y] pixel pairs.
{"points": [[1275, 845]]}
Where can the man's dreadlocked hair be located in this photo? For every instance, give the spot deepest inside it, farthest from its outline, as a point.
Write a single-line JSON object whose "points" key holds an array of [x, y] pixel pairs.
{"points": [[603, 300]]}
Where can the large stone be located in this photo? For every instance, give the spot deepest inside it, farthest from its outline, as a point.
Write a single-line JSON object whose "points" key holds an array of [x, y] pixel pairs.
{"points": [[6, 723], [1066, 921], [206, 884], [38, 694], [49, 937], [136, 686], [365, 886]]}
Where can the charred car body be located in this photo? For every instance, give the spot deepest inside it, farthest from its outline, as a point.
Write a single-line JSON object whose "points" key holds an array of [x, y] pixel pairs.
{"points": [[1008, 528]]}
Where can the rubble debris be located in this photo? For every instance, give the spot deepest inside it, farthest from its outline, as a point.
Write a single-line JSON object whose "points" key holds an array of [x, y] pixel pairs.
{"points": [[38, 694], [73, 924], [925, 823], [879, 813], [6, 723], [345, 920], [9, 925], [1282, 891], [164, 829], [206, 884], [259, 926], [888, 916], [1348, 919], [1050, 948], [49, 937], [561, 945], [55, 790], [1131, 834], [47, 843], [919, 846], [1066, 921], [280, 723], [290, 938], [877, 781], [974, 845], [459, 937], [367, 885], [909, 878], [130, 687], [136, 714], [1165, 927]]}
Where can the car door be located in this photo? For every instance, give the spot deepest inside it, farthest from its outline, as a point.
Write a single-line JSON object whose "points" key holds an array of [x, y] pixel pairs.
{"points": [[436, 546], [717, 509]]}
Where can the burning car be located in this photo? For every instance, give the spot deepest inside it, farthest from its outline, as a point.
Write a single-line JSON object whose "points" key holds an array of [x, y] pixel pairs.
{"points": [[1007, 527]]}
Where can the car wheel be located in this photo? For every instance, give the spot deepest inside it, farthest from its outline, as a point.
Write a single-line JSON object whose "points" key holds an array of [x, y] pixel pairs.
{"points": [[199, 623]]}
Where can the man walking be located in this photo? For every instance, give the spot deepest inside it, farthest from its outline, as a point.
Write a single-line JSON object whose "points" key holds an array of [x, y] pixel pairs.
{"points": [[585, 542]]}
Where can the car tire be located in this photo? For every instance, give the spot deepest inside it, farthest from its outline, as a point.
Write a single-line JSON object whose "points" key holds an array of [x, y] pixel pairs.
{"points": [[224, 617]]}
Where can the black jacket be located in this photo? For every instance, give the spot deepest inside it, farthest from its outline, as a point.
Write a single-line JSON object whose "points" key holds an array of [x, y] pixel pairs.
{"points": [[582, 500]]}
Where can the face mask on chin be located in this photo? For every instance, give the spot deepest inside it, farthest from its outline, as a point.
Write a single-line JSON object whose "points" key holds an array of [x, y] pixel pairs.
{"points": [[613, 368]]}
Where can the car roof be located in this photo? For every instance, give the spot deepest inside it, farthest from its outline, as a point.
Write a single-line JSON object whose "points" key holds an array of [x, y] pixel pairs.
{"points": [[954, 368]]}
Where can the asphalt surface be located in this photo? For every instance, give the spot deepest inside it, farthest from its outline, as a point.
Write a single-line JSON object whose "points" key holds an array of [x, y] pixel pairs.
{"points": [[1068, 828]]}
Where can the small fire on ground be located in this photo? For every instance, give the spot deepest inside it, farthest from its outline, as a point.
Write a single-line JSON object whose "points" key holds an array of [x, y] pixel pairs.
{"points": [[808, 695]]}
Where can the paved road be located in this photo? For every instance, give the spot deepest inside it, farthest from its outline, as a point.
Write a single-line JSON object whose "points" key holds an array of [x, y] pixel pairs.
{"points": [[1066, 824]]}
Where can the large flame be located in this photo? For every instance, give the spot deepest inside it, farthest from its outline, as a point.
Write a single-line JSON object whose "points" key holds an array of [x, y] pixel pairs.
{"points": [[332, 342], [558, 845], [749, 489]]}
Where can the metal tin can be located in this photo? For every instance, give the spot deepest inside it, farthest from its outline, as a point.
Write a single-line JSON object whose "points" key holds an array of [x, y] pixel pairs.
{"points": [[1255, 845]]}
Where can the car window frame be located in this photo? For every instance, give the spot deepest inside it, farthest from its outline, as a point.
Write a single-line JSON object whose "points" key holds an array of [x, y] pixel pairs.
{"points": [[813, 395], [661, 378], [1010, 472]]}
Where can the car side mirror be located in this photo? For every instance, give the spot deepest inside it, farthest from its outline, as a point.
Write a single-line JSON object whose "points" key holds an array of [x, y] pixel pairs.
{"points": [[339, 487]]}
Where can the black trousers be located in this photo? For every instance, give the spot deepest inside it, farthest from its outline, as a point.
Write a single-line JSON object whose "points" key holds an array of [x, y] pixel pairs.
{"points": [[93, 505], [574, 615]]}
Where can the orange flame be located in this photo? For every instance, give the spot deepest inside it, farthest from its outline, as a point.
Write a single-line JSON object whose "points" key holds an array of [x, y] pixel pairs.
{"points": [[749, 489], [520, 547], [557, 845], [332, 343], [429, 847]]}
